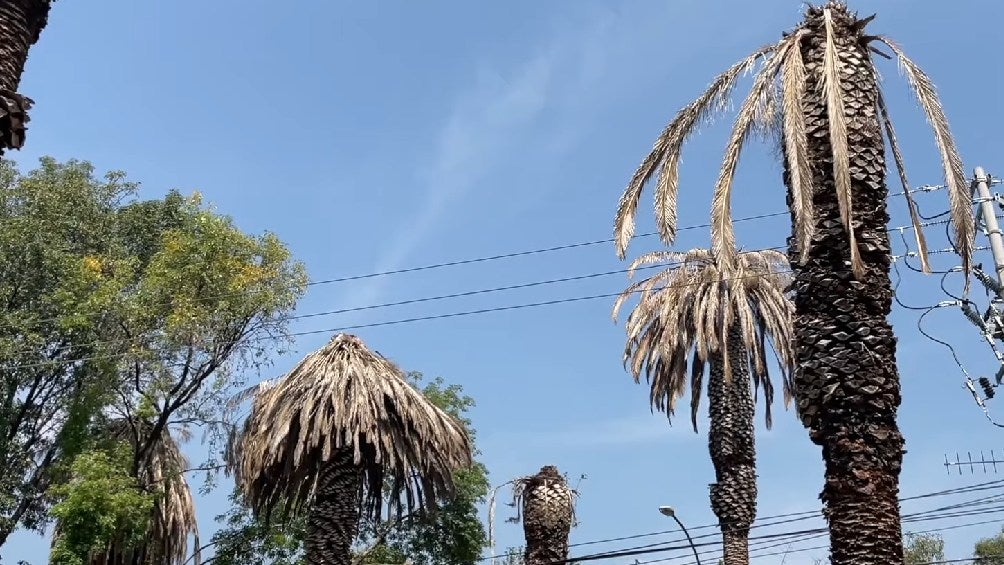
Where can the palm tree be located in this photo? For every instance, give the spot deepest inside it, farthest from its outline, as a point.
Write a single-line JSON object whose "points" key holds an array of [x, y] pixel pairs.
{"points": [[817, 91], [21, 24], [331, 435], [547, 506], [721, 319], [173, 517]]}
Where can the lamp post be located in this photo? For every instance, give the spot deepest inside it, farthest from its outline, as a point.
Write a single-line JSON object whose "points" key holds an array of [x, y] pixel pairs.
{"points": [[668, 511]]}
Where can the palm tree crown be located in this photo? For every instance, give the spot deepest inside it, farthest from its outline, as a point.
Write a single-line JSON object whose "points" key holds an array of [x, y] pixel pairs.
{"points": [[691, 307], [775, 105], [345, 396]]}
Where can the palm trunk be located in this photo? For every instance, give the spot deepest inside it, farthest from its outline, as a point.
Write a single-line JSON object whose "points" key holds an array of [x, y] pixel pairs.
{"points": [[847, 383], [333, 520], [21, 23], [733, 450], [547, 517]]}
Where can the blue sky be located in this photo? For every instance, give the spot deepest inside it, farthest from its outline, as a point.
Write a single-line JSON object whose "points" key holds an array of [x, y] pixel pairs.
{"points": [[374, 136]]}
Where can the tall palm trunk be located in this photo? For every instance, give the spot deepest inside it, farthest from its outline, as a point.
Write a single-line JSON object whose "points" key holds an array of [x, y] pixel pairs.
{"points": [[547, 517], [333, 519], [847, 383], [733, 451], [21, 24]]}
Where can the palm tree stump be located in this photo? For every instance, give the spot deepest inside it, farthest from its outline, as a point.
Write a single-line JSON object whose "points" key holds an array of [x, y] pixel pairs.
{"points": [[547, 506]]}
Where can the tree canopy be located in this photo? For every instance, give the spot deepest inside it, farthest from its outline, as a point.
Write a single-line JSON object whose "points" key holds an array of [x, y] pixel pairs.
{"points": [[146, 311]]}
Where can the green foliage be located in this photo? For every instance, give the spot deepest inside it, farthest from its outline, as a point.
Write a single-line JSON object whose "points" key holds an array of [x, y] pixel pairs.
{"points": [[242, 539], [150, 307], [102, 502], [990, 551], [454, 536], [923, 548]]}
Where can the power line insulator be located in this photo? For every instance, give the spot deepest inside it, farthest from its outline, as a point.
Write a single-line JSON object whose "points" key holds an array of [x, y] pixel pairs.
{"points": [[988, 389]]}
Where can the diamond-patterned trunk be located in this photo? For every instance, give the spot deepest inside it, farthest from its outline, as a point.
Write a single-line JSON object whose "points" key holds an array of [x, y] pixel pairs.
{"points": [[21, 23], [333, 520], [733, 451], [547, 517], [846, 379]]}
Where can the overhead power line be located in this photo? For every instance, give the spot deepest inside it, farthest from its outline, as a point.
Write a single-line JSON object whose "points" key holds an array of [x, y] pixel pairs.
{"points": [[562, 247], [400, 321], [794, 517]]}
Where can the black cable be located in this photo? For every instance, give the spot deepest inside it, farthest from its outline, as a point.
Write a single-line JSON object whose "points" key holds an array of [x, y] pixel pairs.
{"points": [[513, 255], [792, 517], [949, 346]]}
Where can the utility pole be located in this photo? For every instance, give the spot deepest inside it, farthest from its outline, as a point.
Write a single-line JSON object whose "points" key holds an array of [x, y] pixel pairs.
{"points": [[991, 322], [987, 214]]}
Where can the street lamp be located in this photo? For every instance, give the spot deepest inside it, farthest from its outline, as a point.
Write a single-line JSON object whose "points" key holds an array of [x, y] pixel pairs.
{"points": [[668, 511]]}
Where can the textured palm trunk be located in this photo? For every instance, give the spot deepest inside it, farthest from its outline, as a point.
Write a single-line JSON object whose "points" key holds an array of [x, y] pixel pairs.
{"points": [[733, 451], [333, 520], [21, 24], [847, 383], [547, 517]]}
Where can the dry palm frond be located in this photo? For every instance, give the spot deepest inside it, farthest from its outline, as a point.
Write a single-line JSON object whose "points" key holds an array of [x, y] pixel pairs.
{"points": [[666, 154], [173, 519], [722, 231], [685, 311], [951, 161], [345, 396], [897, 155], [784, 64], [838, 138]]}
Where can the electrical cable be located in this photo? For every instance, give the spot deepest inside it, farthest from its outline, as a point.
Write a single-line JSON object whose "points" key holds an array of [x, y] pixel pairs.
{"points": [[793, 517], [924, 188], [444, 297]]}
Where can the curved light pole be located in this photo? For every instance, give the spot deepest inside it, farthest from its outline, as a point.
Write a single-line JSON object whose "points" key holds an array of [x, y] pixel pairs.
{"points": [[668, 511]]}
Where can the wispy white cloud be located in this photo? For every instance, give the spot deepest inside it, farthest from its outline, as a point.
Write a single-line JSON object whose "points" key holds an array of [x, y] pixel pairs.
{"points": [[501, 111]]}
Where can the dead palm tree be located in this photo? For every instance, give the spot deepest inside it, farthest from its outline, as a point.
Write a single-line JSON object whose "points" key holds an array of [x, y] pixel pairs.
{"points": [[21, 24], [818, 92], [547, 507], [332, 434], [721, 319], [173, 517]]}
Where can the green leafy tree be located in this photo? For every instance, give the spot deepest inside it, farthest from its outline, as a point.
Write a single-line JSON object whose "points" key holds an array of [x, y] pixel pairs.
{"points": [[454, 536], [990, 551], [147, 311], [100, 504], [923, 548]]}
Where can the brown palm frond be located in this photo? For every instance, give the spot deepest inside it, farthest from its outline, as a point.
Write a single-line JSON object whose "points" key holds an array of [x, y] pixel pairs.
{"points": [[796, 144], [345, 396], [682, 318], [174, 518], [951, 162], [918, 230], [666, 153], [723, 239], [838, 139]]}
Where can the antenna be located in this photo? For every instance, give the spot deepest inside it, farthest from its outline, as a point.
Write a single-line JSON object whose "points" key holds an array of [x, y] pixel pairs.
{"points": [[988, 465]]}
